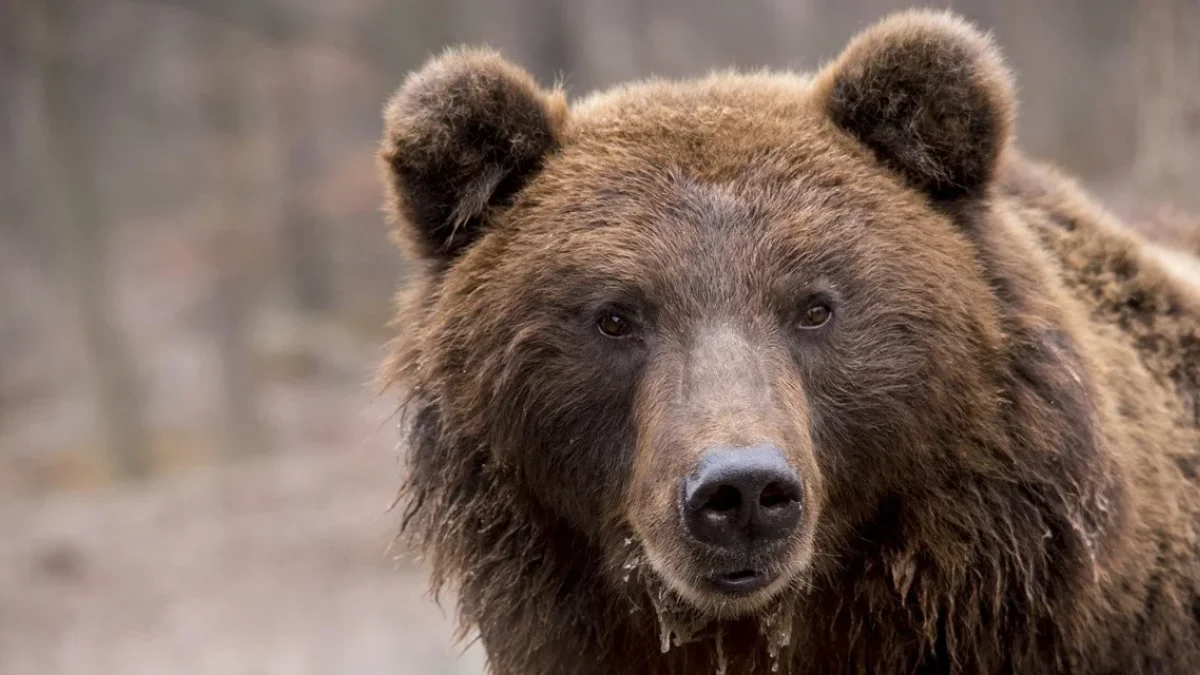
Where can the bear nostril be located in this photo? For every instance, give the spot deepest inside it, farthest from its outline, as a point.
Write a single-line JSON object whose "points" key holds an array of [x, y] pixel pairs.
{"points": [[726, 498], [777, 494], [741, 497]]}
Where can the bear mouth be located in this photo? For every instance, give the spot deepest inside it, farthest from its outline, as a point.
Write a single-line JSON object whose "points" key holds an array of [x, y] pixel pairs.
{"points": [[740, 582]]}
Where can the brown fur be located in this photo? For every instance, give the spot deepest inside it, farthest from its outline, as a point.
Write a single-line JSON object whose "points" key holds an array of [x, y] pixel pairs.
{"points": [[998, 433], [1175, 240]]}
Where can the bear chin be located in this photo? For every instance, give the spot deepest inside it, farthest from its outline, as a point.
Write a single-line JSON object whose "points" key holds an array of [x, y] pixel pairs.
{"points": [[726, 594]]}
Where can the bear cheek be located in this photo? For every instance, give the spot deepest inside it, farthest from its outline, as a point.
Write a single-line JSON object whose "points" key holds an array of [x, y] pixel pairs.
{"points": [[572, 437], [581, 482]]}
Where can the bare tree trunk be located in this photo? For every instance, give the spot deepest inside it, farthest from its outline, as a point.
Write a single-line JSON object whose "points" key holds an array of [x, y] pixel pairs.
{"points": [[83, 233], [1167, 165], [234, 252], [305, 250]]}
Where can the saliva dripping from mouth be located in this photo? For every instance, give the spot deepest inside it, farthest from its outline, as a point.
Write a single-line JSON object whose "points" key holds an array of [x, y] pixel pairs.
{"points": [[679, 623]]}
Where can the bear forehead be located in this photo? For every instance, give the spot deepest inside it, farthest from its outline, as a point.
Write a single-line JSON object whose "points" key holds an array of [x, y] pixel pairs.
{"points": [[729, 188], [708, 125], [746, 143], [695, 228], [730, 156], [706, 98]]}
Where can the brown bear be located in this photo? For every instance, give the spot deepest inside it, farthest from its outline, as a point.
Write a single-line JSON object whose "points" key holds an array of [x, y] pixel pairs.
{"points": [[779, 372]]}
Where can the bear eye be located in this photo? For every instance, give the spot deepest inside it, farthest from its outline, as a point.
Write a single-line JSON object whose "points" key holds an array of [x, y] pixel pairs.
{"points": [[614, 325], [817, 315]]}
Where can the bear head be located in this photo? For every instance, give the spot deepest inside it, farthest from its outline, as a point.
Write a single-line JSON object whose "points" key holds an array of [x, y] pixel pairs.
{"points": [[714, 331]]}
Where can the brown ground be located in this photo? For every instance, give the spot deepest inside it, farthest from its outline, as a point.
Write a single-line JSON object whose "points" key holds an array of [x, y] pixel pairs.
{"points": [[270, 565]]}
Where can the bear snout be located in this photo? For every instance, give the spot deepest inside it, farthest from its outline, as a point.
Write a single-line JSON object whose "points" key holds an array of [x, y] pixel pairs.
{"points": [[740, 503]]}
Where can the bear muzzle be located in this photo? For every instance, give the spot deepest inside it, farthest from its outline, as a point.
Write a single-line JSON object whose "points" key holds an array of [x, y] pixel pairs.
{"points": [[741, 504]]}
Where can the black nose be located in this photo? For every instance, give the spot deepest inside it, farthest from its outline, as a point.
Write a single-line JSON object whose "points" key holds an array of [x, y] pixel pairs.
{"points": [[742, 496]]}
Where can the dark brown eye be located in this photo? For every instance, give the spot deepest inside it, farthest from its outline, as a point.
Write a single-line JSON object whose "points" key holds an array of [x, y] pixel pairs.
{"points": [[613, 325], [816, 316]]}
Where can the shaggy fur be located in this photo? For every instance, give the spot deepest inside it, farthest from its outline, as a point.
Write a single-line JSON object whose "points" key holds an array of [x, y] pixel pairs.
{"points": [[1175, 239], [998, 432]]}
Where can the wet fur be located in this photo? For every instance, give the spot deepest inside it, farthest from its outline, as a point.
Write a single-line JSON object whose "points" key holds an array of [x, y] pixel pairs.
{"points": [[1048, 522]]}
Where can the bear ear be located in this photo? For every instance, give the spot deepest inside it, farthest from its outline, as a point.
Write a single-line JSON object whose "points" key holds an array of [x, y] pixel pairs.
{"points": [[462, 135], [929, 95]]}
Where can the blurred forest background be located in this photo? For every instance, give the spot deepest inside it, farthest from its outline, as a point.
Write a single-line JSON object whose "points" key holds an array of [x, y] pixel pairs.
{"points": [[195, 278]]}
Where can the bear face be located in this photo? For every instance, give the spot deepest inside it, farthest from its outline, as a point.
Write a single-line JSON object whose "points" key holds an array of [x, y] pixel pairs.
{"points": [[784, 305], [739, 335], [657, 281]]}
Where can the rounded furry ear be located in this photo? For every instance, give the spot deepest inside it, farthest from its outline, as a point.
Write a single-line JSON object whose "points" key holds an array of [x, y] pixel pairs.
{"points": [[462, 135], [929, 95]]}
